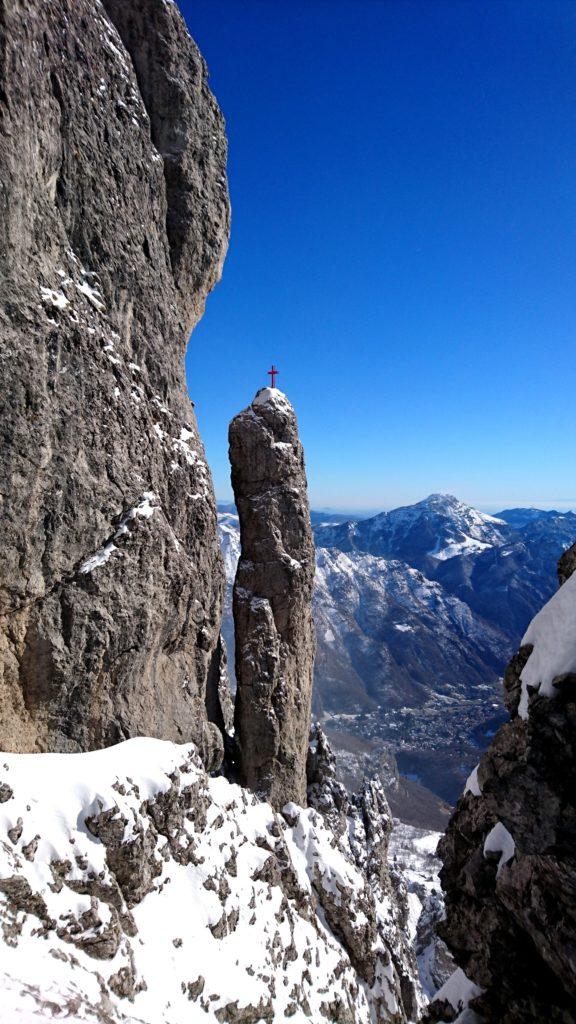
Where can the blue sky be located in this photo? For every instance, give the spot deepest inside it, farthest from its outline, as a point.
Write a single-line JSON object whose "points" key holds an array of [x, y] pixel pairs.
{"points": [[403, 185]]}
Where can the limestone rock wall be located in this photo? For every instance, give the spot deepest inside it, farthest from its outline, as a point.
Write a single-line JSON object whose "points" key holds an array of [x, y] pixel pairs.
{"points": [[509, 854], [114, 220], [272, 599]]}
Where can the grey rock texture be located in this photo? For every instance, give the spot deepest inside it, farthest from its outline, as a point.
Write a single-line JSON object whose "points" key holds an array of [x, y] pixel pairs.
{"points": [[113, 228], [272, 599], [511, 913]]}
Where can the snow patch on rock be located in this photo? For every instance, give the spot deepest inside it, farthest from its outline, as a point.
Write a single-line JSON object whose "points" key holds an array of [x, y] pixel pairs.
{"points": [[500, 841], [143, 510], [459, 991], [272, 396], [552, 633], [472, 784]]}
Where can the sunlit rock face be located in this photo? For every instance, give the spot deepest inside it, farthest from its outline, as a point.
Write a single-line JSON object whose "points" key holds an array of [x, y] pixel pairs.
{"points": [[113, 228], [509, 872], [272, 599]]}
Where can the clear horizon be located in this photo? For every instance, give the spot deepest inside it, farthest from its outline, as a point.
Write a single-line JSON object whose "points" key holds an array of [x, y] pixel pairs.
{"points": [[368, 512], [403, 224]]}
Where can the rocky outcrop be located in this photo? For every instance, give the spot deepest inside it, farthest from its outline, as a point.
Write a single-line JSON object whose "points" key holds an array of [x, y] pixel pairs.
{"points": [[361, 823], [567, 564], [137, 889], [509, 854], [272, 599], [113, 228]]}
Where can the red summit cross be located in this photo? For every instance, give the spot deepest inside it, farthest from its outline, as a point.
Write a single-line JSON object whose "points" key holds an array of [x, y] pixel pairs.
{"points": [[273, 373]]}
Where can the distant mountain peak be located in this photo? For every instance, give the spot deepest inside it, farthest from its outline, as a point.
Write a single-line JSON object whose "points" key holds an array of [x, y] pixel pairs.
{"points": [[440, 498], [451, 502], [518, 518], [439, 527]]}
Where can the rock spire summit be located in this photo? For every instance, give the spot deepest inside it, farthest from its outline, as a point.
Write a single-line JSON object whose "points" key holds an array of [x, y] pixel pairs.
{"points": [[272, 599]]}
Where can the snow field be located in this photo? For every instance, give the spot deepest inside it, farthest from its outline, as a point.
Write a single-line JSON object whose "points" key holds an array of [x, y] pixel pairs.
{"points": [[218, 927]]}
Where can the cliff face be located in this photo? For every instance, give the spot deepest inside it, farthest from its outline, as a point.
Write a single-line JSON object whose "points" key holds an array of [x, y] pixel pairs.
{"points": [[114, 222], [272, 599], [509, 853]]}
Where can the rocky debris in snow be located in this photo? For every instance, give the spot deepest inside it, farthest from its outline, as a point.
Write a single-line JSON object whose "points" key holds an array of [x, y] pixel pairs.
{"points": [[158, 895], [412, 853], [272, 599], [362, 823], [324, 791], [113, 230], [509, 868]]}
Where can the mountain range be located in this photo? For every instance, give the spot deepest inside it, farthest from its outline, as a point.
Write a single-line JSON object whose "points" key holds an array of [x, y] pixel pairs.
{"points": [[501, 566], [417, 611], [154, 867]]}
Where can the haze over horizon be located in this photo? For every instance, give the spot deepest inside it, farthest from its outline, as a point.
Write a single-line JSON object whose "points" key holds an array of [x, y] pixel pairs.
{"points": [[365, 513], [402, 244]]}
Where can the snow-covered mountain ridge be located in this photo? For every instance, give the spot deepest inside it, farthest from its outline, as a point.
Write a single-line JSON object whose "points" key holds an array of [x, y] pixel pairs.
{"points": [[441, 528], [402, 625], [135, 888], [438, 527]]}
